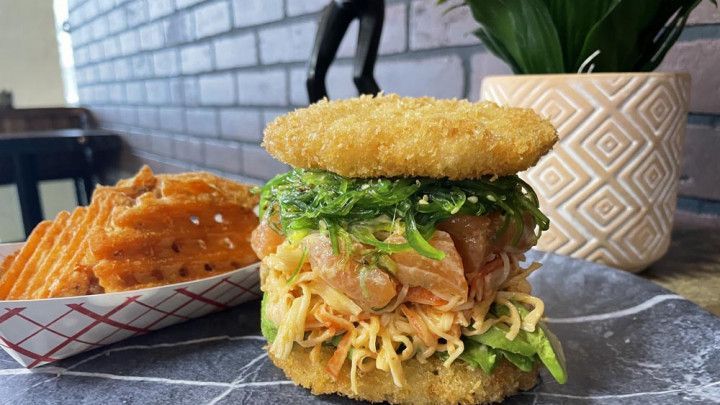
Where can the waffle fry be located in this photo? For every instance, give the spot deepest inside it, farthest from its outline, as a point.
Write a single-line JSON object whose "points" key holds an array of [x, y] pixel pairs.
{"points": [[64, 280], [39, 256], [6, 263], [52, 257], [130, 258], [145, 231], [9, 275]]}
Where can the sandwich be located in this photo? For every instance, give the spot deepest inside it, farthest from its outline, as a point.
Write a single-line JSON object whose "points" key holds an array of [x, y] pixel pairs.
{"points": [[393, 264]]}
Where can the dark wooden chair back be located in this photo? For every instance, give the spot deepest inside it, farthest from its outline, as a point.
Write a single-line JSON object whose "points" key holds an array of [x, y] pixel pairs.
{"points": [[43, 119]]}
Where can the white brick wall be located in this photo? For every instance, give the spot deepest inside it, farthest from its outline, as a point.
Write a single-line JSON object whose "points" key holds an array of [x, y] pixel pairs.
{"points": [[223, 155], [202, 121], [160, 8], [440, 76], [253, 12], [705, 13], [212, 18], [262, 87], [287, 43], [432, 27], [235, 51], [217, 89], [165, 62], [298, 7], [702, 59], [192, 83], [241, 124], [152, 36], [196, 58]]}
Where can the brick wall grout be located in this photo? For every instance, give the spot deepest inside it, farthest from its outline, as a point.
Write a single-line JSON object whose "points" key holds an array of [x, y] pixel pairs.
{"points": [[461, 50]]}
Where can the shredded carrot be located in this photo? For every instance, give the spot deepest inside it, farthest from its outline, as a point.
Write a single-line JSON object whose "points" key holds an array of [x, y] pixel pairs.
{"points": [[425, 335], [338, 358]]}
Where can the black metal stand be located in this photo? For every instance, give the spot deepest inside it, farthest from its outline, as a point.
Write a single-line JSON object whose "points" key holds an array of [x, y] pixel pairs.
{"points": [[332, 28]]}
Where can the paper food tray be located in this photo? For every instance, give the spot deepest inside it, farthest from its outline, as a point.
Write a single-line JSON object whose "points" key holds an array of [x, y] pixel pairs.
{"points": [[37, 332]]}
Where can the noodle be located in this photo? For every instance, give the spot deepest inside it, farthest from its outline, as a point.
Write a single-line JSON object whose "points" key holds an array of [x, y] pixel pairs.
{"points": [[313, 314]]}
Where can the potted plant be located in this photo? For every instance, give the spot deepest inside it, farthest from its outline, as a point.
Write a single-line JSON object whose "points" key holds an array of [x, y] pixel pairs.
{"points": [[610, 184]]}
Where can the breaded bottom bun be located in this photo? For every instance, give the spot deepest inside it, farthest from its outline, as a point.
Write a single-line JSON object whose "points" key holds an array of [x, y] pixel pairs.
{"points": [[429, 383], [393, 136]]}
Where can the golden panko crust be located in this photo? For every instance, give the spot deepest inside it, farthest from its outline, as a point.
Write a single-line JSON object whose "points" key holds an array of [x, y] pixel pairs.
{"points": [[429, 383], [393, 136]]}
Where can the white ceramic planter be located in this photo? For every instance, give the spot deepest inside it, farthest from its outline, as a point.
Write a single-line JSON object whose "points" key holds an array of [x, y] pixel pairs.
{"points": [[610, 184]]}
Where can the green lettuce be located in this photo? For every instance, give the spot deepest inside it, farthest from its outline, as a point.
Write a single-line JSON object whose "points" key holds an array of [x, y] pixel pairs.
{"points": [[548, 349], [479, 355], [524, 351], [495, 338], [524, 363]]}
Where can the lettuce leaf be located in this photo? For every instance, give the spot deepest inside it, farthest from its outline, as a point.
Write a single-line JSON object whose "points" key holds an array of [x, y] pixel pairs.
{"points": [[548, 348], [495, 338], [479, 355], [524, 363], [523, 351], [549, 351]]}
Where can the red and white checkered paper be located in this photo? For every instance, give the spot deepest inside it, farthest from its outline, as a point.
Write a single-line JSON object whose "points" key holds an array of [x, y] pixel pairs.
{"points": [[37, 332]]}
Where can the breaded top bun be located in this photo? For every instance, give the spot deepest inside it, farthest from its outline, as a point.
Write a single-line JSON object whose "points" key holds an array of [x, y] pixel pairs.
{"points": [[393, 136], [429, 383]]}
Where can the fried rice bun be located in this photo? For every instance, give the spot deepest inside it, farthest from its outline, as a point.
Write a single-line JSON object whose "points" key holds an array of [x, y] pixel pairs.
{"points": [[393, 136], [428, 383]]}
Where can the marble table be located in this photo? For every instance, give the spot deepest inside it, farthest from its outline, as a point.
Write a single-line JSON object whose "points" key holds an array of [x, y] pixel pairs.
{"points": [[691, 267], [627, 341]]}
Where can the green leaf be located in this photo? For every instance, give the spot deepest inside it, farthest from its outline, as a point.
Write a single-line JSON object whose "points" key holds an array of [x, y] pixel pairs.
{"points": [[418, 242], [521, 32], [549, 351], [479, 355], [556, 36], [495, 338], [296, 272], [364, 234], [548, 348], [267, 327], [666, 38], [633, 36], [496, 46], [524, 363], [368, 210], [573, 20]]}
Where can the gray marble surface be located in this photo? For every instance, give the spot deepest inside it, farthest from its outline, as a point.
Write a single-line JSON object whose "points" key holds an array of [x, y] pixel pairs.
{"points": [[627, 341]]}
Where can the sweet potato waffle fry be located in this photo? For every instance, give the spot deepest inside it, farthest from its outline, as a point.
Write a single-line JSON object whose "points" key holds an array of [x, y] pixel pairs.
{"points": [[145, 231]]}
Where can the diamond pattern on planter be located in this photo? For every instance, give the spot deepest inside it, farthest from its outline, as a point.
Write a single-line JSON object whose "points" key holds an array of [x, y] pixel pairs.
{"points": [[613, 176]]}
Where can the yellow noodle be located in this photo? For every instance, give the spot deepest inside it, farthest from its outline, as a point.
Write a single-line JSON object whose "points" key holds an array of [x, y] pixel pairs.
{"points": [[377, 336]]}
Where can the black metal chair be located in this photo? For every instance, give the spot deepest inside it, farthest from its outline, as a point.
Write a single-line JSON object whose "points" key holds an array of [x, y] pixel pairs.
{"points": [[52, 143]]}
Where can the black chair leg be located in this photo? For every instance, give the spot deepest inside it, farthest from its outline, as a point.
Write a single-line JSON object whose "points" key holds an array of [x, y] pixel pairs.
{"points": [[81, 192], [27, 188], [89, 178]]}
